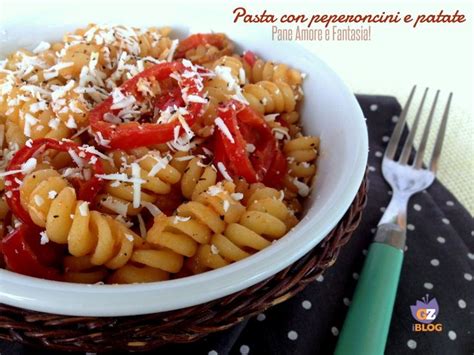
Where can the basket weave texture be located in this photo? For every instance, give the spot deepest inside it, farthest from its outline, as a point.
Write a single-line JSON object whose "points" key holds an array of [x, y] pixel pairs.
{"points": [[146, 332]]}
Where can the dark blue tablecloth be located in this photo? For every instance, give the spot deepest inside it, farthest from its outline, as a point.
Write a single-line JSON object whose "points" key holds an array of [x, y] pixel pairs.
{"points": [[438, 261]]}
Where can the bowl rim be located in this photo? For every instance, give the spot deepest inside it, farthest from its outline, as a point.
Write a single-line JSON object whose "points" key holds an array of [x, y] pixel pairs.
{"points": [[32, 293]]}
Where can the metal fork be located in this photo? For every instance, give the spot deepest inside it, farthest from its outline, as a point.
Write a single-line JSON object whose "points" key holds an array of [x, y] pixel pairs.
{"points": [[367, 323]]}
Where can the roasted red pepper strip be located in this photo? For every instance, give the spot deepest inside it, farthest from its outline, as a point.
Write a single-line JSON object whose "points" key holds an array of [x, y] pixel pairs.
{"points": [[250, 57], [87, 191], [135, 134], [21, 258], [248, 129]]}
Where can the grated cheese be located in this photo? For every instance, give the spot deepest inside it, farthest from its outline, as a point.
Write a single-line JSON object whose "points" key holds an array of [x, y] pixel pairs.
{"points": [[153, 209], [28, 166], [237, 196], [54, 123], [44, 238], [197, 99], [303, 189], [271, 117], [178, 219], [224, 129], [84, 209], [223, 171], [137, 181], [38, 200], [117, 206], [52, 194], [71, 123], [250, 148], [41, 47], [174, 45], [226, 205], [161, 163], [280, 133], [215, 190], [76, 158], [214, 249], [141, 226], [29, 121], [187, 129]]}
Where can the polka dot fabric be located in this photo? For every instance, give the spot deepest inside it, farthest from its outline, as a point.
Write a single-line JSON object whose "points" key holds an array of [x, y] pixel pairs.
{"points": [[439, 261]]}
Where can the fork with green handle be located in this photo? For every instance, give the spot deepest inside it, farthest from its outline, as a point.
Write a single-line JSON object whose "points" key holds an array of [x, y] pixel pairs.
{"points": [[367, 323]]}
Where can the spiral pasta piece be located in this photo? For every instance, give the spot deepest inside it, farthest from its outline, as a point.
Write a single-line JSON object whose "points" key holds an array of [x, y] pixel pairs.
{"points": [[268, 97], [197, 178], [270, 71], [195, 223], [156, 174], [301, 154], [129, 274], [51, 203], [266, 219], [220, 88]]}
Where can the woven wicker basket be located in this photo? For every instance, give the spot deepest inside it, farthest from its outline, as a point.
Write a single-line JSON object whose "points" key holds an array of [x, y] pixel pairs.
{"points": [[140, 333]]}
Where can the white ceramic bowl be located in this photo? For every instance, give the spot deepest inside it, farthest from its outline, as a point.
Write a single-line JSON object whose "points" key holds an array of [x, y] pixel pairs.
{"points": [[329, 111]]}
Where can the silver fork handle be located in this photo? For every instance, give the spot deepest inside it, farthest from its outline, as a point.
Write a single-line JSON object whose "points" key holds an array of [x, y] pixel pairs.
{"points": [[396, 211], [391, 234]]}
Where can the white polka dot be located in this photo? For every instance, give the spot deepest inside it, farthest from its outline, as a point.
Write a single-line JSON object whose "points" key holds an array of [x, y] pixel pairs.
{"points": [[365, 251], [468, 276], [405, 248], [472, 233], [450, 203], [244, 349], [212, 352], [394, 119], [378, 154], [428, 285], [320, 278], [445, 220], [470, 256], [355, 276], [346, 301], [385, 138], [441, 240], [462, 304], [424, 191], [334, 331], [374, 107], [411, 344], [410, 227], [261, 317], [390, 193], [452, 335], [372, 169], [373, 230], [435, 262], [306, 304], [292, 335], [417, 207], [382, 209]]}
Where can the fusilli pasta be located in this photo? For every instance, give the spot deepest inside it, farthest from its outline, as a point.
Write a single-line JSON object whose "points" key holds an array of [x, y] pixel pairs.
{"points": [[128, 156]]}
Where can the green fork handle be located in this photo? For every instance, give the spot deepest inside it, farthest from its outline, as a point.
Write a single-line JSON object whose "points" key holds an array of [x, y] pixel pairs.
{"points": [[367, 323]]}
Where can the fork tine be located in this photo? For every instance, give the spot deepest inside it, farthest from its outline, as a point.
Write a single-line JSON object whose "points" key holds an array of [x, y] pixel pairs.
{"points": [[440, 137], [421, 149], [411, 136], [397, 131]]}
